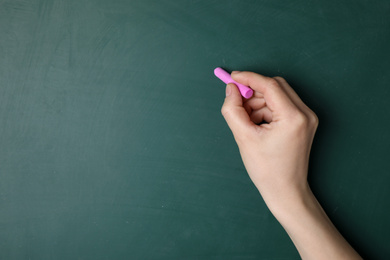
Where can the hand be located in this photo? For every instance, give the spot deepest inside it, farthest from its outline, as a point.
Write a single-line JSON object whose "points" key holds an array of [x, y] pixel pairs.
{"points": [[274, 131]]}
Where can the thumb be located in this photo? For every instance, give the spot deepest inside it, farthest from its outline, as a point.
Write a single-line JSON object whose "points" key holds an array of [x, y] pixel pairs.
{"points": [[233, 111]]}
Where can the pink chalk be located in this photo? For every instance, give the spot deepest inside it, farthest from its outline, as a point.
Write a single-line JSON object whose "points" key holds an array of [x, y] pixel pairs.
{"points": [[245, 91]]}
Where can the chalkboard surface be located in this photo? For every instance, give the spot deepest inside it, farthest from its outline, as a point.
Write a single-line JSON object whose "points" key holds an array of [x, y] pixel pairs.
{"points": [[113, 145]]}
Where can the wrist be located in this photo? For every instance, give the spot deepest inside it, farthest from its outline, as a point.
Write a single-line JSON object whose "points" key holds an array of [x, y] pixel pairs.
{"points": [[288, 201], [304, 220]]}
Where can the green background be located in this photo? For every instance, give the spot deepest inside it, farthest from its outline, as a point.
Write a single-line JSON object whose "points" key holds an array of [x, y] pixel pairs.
{"points": [[113, 145]]}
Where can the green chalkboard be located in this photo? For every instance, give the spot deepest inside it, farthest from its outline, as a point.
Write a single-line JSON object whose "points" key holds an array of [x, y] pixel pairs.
{"points": [[113, 145]]}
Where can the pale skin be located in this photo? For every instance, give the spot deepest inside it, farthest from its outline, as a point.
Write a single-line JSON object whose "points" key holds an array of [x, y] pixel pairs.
{"points": [[276, 156]]}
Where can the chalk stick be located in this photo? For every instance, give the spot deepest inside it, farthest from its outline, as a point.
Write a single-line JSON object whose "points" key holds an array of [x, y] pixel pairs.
{"points": [[245, 91]]}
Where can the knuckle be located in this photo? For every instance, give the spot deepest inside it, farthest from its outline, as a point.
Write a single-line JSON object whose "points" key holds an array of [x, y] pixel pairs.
{"points": [[272, 82], [298, 120], [301, 119], [314, 121], [225, 110], [280, 79], [304, 121]]}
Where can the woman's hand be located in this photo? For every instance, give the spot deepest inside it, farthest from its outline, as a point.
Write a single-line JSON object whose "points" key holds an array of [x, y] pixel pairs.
{"points": [[274, 131]]}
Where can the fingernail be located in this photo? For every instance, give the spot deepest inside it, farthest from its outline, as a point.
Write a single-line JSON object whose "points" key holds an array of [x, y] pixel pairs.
{"points": [[235, 72], [228, 90]]}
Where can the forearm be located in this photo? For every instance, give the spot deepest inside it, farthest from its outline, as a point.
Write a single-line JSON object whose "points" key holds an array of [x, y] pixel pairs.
{"points": [[310, 229]]}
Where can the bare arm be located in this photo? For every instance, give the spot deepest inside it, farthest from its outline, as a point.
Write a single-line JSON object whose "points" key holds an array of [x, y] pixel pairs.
{"points": [[276, 156]]}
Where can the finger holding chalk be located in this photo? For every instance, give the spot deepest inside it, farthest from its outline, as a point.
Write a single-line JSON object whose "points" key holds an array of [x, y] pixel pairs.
{"points": [[245, 91]]}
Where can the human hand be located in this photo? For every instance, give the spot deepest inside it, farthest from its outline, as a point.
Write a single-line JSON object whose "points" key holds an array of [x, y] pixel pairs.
{"points": [[274, 131]]}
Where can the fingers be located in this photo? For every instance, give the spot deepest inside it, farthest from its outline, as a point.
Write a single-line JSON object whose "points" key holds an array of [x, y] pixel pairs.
{"points": [[273, 100], [234, 113], [261, 115], [255, 103], [276, 98], [257, 110]]}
